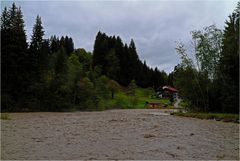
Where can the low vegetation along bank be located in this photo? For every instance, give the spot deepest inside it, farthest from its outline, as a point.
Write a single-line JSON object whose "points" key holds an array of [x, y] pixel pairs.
{"points": [[226, 117], [4, 116]]}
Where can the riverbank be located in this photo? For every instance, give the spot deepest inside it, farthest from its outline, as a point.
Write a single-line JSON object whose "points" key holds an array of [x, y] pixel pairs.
{"points": [[225, 117]]}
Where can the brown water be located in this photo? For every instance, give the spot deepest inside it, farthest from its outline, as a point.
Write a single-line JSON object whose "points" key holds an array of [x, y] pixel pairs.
{"points": [[116, 134]]}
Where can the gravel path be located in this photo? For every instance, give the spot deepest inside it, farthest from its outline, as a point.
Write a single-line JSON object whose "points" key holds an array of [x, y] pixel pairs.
{"points": [[116, 134]]}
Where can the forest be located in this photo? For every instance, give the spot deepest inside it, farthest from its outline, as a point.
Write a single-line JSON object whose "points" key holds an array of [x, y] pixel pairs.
{"points": [[51, 75]]}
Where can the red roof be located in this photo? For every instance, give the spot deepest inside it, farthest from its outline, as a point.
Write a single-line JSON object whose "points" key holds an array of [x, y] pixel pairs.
{"points": [[170, 88]]}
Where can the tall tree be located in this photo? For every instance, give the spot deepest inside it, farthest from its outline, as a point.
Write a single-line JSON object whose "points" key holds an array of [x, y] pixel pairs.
{"points": [[62, 42], [229, 64], [36, 47], [37, 36], [188, 79], [69, 45], [112, 64], [74, 73], [14, 56], [207, 45], [5, 20], [100, 51], [133, 58], [54, 44]]}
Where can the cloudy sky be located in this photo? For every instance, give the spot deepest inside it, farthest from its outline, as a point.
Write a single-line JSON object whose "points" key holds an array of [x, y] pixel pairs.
{"points": [[155, 26]]}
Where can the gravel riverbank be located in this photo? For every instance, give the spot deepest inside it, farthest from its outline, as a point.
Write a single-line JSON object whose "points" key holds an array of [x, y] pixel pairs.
{"points": [[116, 134]]}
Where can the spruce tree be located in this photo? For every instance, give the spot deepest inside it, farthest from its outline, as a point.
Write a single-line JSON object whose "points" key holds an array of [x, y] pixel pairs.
{"points": [[69, 45], [62, 42], [36, 48], [54, 44], [229, 64], [133, 58], [37, 36], [112, 64], [100, 51], [5, 20], [14, 58]]}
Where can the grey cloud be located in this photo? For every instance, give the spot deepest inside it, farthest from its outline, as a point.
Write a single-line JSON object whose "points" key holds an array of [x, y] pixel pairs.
{"points": [[154, 25]]}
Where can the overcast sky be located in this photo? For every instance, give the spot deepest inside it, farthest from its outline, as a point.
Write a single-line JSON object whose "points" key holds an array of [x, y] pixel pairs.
{"points": [[153, 25]]}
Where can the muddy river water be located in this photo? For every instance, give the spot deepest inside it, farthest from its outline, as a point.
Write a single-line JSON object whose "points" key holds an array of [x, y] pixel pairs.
{"points": [[116, 134]]}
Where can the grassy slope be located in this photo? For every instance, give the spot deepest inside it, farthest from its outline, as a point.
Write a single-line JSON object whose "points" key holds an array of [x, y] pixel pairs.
{"points": [[122, 100], [143, 98]]}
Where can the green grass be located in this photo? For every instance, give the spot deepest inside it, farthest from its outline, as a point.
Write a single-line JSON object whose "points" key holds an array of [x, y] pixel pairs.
{"points": [[5, 116], [184, 104], [123, 100], [209, 115], [144, 97]]}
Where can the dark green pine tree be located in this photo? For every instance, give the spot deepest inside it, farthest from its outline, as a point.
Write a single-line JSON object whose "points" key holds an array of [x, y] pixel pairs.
{"points": [[113, 66], [13, 59], [146, 75], [69, 45], [156, 78], [5, 40], [39, 54], [37, 36], [126, 76], [119, 51], [100, 51], [36, 48], [229, 64], [54, 44], [170, 79], [60, 68], [62, 42], [6, 62], [44, 57], [5, 20], [133, 59]]}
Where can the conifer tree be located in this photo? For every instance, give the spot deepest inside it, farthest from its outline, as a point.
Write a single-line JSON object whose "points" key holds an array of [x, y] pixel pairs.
{"points": [[112, 64], [36, 51], [69, 45], [100, 51], [37, 36], [54, 44], [62, 42], [5, 20], [133, 58], [229, 64], [14, 57]]}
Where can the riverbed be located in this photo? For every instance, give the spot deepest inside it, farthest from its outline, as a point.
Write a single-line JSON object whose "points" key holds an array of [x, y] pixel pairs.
{"points": [[144, 134]]}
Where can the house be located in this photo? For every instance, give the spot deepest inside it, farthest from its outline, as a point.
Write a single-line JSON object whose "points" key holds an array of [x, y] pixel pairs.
{"points": [[167, 92]]}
